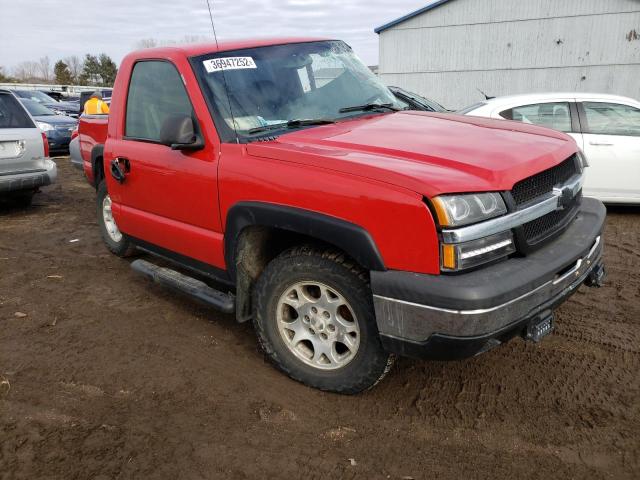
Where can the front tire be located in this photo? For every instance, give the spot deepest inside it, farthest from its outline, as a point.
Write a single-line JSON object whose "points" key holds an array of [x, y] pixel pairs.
{"points": [[116, 241], [314, 319]]}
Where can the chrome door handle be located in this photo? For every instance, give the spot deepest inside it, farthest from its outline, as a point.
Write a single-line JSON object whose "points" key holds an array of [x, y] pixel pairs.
{"points": [[601, 144]]}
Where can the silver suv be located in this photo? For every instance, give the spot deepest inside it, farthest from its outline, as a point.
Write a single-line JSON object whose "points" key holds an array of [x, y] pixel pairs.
{"points": [[24, 152]]}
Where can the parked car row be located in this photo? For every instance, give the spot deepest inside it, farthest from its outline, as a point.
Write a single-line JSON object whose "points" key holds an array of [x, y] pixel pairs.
{"points": [[605, 127], [56, 119], [61, 108], [56, 127], [62, 97]]}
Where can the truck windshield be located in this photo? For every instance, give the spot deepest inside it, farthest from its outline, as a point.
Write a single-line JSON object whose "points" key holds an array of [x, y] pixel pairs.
{"points": [[288, 86]]}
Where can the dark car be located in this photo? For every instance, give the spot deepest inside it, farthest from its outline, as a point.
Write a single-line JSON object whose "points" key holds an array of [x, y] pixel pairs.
{"points": [[75, 102], [417, 102], [62, 97], [61, 108], [56, 127], [57, 96]]}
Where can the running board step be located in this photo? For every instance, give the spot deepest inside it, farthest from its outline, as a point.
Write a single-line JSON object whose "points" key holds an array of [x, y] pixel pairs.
{"points": [[187, 285]]}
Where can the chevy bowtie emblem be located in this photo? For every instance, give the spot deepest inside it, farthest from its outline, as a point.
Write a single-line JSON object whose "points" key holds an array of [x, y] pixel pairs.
{"points": [[565, 198]]}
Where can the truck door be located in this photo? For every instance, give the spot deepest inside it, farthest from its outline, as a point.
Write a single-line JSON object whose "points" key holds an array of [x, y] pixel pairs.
{"points": [[169, 198]]}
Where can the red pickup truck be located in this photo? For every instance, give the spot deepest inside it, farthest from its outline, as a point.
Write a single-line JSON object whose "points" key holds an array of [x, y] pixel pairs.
{"points": [[288, 186]]}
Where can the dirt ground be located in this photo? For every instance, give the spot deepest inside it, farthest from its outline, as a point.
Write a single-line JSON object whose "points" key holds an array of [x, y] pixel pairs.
{"points": [[104, 376]]}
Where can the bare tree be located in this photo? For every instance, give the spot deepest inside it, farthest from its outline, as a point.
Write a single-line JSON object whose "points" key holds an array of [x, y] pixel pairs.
{"points": [[26, 71], [19, 71], [146, 43], [152, 42], [4, 77], [44, 66], [193, 39], [74, 64]]}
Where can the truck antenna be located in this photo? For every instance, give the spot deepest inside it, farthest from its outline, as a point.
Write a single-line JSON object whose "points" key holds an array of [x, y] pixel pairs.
{"points": [[224, 77], [213, 27]]}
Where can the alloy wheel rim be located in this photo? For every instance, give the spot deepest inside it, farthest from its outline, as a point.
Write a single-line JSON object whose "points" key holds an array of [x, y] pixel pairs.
{"points": [[109, 221], [318, 325]]}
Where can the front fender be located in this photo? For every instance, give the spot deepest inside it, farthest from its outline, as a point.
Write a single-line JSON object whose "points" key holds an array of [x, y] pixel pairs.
{"points": [[350, 238]]}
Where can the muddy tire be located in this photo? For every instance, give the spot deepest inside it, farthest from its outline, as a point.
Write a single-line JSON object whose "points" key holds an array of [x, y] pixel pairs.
{"points": [[116, 241], [314, 318]]}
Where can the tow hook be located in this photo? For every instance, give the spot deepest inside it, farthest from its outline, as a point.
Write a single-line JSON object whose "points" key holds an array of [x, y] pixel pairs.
{"points": [[596, 276]]}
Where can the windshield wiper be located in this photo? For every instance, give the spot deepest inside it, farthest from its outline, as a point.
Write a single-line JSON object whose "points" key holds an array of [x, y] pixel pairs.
{"points": [[301, 122], [369, 107]]}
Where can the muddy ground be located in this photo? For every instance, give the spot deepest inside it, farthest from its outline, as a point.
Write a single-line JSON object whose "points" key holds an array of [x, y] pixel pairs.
{"points": [[104, 376]]}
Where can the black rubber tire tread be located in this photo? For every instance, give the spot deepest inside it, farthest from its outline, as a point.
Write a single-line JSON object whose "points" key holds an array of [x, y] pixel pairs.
{"points": [[123, 248], [333, 268], [24, 199]]}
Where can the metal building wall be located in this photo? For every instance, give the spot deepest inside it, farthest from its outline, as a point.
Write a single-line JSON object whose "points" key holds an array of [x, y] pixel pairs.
{"points": [[505, 47]]}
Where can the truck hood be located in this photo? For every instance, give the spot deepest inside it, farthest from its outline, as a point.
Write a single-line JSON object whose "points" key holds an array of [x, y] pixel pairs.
{"points": [[428, 153]]}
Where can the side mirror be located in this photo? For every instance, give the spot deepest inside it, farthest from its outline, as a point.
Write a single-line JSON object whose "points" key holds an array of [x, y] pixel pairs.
{"points": [[178, 132]]}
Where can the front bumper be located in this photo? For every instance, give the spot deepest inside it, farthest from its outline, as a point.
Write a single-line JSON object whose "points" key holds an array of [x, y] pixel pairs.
{"points": [[29, 179], [456, 316]]}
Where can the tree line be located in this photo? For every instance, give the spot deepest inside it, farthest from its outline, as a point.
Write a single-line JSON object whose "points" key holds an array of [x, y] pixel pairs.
{"points": [[96, 70]]}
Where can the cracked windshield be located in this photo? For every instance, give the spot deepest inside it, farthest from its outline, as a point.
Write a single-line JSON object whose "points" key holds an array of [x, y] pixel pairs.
{"points": [[278, 87]]}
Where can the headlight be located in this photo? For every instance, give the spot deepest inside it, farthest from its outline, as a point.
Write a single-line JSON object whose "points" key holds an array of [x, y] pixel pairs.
{"points": [[45, 127], [461, 256], [465, 209]]}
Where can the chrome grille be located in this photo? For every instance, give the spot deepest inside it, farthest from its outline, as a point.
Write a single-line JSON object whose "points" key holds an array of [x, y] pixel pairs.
{"points": [[528, 190], [541, 228], [542, 183]]}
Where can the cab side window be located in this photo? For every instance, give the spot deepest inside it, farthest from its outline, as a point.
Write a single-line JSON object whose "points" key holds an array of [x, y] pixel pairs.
{"points": [[551, 115], [612, 119], [156, 92]]}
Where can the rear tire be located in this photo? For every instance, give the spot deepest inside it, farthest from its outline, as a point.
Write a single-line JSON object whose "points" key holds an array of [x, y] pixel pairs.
{"points": [[315, 321], [117, 242]]}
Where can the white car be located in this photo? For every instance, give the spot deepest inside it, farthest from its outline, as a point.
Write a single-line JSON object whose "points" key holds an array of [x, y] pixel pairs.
{"points": [[606, 128], [24, 152]]}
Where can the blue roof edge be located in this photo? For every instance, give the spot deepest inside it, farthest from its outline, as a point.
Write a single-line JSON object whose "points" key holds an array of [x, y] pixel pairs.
{"points": [[415, 13]]}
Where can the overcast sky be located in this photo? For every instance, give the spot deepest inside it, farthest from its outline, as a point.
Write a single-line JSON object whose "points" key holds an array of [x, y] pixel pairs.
{"points": [[30, 29]]}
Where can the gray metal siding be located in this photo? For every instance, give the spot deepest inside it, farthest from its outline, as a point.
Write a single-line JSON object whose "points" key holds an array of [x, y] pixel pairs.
{"points": [[464, 12], [505, 47]]}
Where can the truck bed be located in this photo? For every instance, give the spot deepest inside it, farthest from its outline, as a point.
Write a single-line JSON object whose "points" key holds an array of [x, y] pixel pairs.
{"points": [[92, 132]]}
